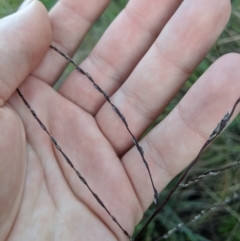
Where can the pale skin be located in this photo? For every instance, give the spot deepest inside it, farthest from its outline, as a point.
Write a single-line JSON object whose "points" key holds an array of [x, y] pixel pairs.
{"points": [[41, 197]]}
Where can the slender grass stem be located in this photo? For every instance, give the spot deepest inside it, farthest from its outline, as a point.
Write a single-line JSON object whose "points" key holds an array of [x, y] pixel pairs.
{"points": [[216, 132], [71, 164], [220, 204], [120, 115], [208, 174]]}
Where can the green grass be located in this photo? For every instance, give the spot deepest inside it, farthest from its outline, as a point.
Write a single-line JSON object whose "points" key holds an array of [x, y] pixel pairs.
{"points": [[214, 226]]}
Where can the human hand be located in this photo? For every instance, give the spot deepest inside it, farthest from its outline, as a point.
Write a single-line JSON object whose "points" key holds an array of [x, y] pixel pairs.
{"points": [[41, 197]]}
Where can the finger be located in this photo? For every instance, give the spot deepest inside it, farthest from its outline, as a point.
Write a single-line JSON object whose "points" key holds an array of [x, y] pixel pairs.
{"points": [[25, 37], [12, 168], [70, 20], [119, 50], [181, 46], [176, 141]]}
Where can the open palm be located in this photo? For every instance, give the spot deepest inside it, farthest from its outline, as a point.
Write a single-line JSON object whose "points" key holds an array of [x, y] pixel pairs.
{"points": [[41, 197]]}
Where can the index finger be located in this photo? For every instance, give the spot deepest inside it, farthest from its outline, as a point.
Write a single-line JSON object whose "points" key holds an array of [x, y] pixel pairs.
{"points": [[70, 20]]}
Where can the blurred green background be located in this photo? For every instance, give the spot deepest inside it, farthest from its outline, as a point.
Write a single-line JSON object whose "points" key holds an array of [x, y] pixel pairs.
{"points": [[220, 224]]}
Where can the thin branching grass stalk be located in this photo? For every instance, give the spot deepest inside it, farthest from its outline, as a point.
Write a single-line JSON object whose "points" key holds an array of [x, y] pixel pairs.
{"points": [[216, 132], [71, 164], [120, 115], [228, 200], [209, 174]]}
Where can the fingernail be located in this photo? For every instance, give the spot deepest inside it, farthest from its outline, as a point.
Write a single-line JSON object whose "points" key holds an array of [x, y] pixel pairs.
{"points": [[24, 4]]}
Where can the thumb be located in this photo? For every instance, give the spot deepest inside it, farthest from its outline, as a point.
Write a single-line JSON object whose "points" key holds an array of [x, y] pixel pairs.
{"points": [[24, 39]]}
